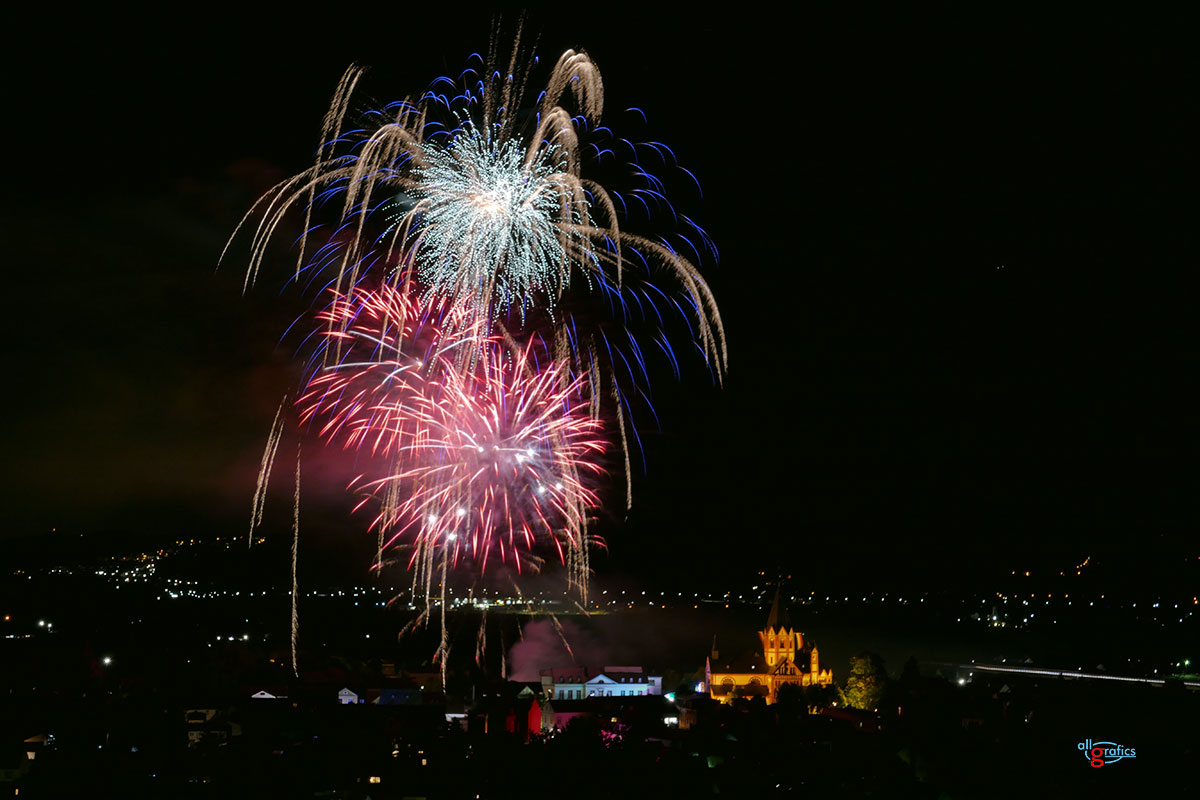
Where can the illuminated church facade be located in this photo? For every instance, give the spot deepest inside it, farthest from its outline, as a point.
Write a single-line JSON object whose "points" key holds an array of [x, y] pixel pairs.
{"points": [[786, 658]]}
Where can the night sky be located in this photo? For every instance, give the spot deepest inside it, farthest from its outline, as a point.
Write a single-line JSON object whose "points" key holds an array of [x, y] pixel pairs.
{"points": [[957, 275]]}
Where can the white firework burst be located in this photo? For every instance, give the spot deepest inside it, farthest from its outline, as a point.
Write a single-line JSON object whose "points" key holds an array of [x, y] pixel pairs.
{"points": [[496, 226]]}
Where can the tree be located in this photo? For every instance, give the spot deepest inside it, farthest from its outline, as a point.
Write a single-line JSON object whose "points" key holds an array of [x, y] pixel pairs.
{"points": [[789, 695], [816, 697], [866, 681]]}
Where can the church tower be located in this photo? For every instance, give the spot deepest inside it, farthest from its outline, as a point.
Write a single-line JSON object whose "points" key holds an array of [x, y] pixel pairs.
{"points": [[779, 641]]}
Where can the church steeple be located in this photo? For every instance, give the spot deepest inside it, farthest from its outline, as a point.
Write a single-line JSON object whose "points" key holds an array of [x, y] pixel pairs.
{"points": [[778, 618]]}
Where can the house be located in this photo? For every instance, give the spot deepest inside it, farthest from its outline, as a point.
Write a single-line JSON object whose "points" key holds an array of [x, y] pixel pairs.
{"points": [[209, 727], [399, 697], [516, 716], [580, 683], [37, 742], [455, 710]]}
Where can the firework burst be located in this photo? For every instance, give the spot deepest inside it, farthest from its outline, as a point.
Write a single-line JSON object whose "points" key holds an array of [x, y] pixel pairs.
{"points": [[496, 230], [467, 194], [485, 452], [511, 308], [497, 462], [377, 353]]}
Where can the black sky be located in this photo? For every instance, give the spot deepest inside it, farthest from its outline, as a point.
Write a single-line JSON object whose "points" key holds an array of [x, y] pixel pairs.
{"points": [[956, 273]]}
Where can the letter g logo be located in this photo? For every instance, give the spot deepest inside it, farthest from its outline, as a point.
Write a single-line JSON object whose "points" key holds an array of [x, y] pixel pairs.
{"points": [[1097, 756]]}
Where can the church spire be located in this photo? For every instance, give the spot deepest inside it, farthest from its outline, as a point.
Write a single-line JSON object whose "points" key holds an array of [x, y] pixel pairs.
{"points": [[778, 618]]}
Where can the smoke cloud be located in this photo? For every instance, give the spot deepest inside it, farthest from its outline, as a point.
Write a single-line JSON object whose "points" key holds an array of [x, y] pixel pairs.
{"points": [[545, 644]]}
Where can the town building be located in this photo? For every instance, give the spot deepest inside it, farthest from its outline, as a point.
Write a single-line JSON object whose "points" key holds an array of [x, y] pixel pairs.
{"points": [[786, 658], [580, 683]]}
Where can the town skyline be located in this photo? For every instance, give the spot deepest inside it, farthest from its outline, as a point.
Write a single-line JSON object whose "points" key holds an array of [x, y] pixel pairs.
{"points": [[952, 446]]}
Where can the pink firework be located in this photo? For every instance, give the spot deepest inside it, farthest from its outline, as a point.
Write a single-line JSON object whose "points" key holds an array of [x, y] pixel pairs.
{"points": [[483, 449], [496, 461], [378, 348]]}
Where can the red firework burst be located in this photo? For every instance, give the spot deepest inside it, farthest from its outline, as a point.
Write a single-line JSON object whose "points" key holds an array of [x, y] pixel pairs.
{"points": [[378, 347], [495, 462], [487, 450]]}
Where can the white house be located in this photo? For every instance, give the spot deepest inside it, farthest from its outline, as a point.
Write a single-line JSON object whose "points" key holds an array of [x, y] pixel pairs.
{"points": [[578, 683], [347, 698]]}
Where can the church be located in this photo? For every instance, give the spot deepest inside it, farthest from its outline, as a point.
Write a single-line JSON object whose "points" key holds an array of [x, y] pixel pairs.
{"points": [[785, 658]]}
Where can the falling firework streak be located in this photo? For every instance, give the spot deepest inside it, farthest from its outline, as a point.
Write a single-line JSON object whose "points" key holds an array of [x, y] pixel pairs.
{"points": [[295, 554], [442, 656], [558, 628], [481, 639], [264, 472]]}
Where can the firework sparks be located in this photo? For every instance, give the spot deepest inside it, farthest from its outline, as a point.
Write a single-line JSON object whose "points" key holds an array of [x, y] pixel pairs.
{"points": [[489, 452], [264, 472], [495, 230], [501, 220], [491, 463], [506, 318], [378, 351], [295, 555]]}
